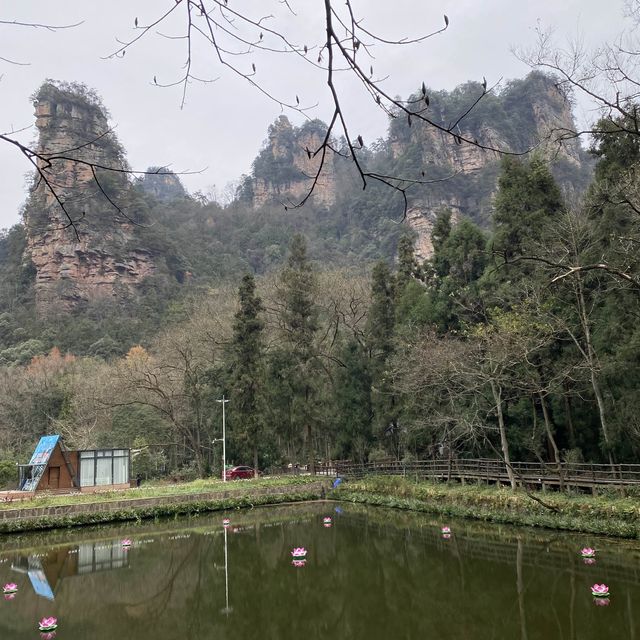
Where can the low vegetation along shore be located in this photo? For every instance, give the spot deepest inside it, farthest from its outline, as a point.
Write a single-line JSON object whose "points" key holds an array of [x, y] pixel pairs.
{"points": [[608, 514], [201, 496], [605, 514]]}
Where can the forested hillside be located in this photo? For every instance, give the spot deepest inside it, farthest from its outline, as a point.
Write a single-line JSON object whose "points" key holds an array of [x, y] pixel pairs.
{"points": [[516, 338]]}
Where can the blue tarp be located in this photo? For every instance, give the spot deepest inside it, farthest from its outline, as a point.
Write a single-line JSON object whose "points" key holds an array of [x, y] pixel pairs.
{"points": [[39, 461], [44, 449]]}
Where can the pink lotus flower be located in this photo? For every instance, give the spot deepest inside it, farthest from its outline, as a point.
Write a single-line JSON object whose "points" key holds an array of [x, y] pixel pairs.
{"points": [[327, 520], [299, 563], [10, 587], [600, 590], [589, 560], [299, 552], [48, 624], [327, 525], [588, 552], [127, 542], [446, 536], [226, 522], [445, 530]]}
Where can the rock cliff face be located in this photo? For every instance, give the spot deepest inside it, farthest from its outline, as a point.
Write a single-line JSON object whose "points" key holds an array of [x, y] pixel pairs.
{"points": [[283, 171], [98, 256], [529, 114], [526, 114]]}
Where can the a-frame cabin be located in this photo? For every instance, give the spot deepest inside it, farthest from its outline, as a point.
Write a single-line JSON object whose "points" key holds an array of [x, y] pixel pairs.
{"points": [[54, 468]]}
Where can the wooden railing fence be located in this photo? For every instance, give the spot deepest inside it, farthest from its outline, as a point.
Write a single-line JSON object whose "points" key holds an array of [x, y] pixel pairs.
{"points": [[532, 474]]}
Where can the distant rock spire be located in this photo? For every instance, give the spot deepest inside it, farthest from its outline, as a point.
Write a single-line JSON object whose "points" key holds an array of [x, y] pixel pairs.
{"points": [[99, 255]]}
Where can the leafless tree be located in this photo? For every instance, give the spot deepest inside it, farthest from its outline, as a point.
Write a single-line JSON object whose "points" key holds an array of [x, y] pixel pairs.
{"points": [[476, 374], [608, 75], [344, 48], [567, 255]]}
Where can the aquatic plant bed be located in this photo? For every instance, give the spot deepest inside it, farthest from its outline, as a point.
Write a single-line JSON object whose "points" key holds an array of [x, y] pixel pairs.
{"points": [[71, 510], [590, 514]]}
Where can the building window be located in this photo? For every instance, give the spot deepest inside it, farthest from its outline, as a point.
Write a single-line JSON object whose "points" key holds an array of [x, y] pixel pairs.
{"points": [[104, 467]]}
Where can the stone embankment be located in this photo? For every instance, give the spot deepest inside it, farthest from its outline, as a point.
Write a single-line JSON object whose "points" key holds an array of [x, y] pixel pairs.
{"points": [[81, 513]]}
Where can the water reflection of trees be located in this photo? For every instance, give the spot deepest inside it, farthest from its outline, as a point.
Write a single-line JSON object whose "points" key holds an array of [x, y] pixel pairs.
{"points": [[373, 574]]}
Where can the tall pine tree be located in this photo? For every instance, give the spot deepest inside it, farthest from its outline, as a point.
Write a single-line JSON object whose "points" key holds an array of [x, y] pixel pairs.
{"points": [[380, 329], [299, 325], [247, 369]]}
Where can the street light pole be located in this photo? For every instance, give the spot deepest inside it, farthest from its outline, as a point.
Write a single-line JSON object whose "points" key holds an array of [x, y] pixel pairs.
{"points": [[224, 440]]}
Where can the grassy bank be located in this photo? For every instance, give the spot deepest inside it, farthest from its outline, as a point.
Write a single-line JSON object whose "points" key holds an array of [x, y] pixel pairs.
{"points": [[64, 511], [156, 490], [602, 515]]}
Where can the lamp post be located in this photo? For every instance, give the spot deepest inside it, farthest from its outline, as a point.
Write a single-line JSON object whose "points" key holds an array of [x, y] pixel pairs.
{"points": [[224, 440]]}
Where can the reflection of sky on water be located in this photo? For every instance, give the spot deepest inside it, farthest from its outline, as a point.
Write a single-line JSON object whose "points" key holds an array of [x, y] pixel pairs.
{"points": [[46, 570]]}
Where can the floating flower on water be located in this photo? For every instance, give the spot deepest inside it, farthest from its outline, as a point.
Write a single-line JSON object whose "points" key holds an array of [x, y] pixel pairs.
{"points": [[48, 624], [127, 542], [299, 563], [326, 520], [299, 553], [445, 530], [10, 588], [589, 560], [226, 522], [588, 552], [601, 602], [600, 591]]}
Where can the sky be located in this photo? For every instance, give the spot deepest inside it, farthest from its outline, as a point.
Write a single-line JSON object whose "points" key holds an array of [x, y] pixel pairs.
{"points": [[223, 123]]}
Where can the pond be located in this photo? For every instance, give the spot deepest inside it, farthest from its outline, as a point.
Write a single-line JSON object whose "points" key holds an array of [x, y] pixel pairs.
{"points": [[369, 573]]}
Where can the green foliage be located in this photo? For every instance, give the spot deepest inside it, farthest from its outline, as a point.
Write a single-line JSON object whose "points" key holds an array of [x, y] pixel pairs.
{"points": [[603, 515], [171, 501], [380, 332], [352, 405], [299, 317], [527, 197], [300, 314], [404, 369], [70, 93], [247, 370], [8, 474]]}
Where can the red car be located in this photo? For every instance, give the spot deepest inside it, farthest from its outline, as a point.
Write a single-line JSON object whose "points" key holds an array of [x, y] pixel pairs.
{"points": [[240, 473]]}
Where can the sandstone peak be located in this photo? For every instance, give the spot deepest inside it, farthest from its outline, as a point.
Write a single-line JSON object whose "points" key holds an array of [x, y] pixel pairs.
{"points": [[284, 169], [162, 184], [98, 254]]}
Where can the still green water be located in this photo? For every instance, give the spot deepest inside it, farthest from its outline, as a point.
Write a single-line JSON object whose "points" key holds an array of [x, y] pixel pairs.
{"points": [[373, 574]]}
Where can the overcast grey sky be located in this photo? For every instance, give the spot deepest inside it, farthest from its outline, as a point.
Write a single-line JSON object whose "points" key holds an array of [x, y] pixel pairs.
{"points": [[224, 123]]}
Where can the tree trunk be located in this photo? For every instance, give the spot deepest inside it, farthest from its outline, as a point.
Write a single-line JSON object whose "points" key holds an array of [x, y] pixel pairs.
{"points": [[310, 456], [592, 361], [504, 443], [551, 438], [569, 413]]}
